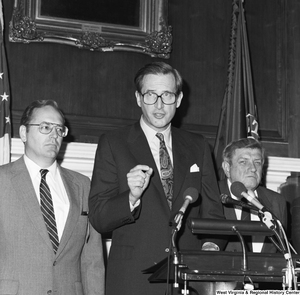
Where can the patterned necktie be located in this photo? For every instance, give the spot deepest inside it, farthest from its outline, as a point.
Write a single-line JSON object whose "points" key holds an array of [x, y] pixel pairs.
{"points": [[166, 169], [47, 210]]}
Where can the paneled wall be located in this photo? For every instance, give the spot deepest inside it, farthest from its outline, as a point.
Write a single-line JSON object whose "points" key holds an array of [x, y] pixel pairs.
{"points": [[96, 89], [80, 157]]}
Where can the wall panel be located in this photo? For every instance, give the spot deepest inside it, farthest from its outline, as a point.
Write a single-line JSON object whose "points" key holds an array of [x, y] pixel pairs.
{"points": [[96, 90]]}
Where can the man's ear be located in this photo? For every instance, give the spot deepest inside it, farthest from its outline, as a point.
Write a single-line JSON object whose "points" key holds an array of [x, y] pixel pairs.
{"points": [[138, 98], [226, 168], [23, 133], [179, 99]]}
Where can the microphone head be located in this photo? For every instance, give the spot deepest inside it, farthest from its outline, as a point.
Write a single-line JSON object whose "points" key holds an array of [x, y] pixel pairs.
{"points": [[191, 193], [237, 188]]}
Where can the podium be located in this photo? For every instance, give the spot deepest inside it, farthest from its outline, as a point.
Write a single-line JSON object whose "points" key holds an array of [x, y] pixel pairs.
{"points": [[226, 266], [207, 271]]}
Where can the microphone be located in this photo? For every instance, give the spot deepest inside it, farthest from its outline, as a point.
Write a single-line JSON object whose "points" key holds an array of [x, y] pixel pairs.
{"points": [[225, 199], [190, 195], [239, 190]]}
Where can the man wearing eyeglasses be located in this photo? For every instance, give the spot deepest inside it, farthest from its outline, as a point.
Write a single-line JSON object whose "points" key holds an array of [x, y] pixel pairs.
{"points": [[47, 245], [140, 175]]}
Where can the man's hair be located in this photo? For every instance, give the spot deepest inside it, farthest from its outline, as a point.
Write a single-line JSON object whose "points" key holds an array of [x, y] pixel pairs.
{"points": [[249, 143], [27, 114], [157, 68]]}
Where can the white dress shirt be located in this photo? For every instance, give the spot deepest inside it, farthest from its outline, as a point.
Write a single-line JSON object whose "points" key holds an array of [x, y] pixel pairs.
{"points": [[61, 203]]}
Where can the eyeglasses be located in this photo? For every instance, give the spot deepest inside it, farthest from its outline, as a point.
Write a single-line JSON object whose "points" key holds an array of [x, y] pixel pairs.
{"points": [[47, 127], [166, 97]]}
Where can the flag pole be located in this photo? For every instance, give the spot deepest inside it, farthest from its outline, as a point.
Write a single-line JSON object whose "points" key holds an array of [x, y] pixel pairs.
{"points": [[5, 119]]}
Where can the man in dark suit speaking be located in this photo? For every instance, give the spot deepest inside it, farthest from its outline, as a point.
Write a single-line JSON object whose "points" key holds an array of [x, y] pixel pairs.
{"points": [[139, 178]]}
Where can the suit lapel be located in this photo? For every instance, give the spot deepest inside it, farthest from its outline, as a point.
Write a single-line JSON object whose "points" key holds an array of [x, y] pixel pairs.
{"points": [[181, 164], [26, 193], [263, 198], [74, 211], [229, 211], [141, 151]]}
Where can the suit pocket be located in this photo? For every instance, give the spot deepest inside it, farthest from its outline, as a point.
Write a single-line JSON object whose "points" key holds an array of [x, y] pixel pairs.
{"points": [[9, 287], [78, 288]]}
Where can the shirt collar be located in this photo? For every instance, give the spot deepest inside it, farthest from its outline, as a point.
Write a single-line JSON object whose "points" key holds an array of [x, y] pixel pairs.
{"points": [[150, 133], [34, 169]]}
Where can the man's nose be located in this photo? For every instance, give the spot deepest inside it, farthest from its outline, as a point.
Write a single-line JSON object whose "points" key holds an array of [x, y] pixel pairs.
{"points": [[252, 166], [159, 103], [54, 133]]}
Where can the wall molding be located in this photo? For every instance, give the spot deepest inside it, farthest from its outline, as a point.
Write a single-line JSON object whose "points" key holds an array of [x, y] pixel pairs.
{"points": [[88, 129], [80, 157]]}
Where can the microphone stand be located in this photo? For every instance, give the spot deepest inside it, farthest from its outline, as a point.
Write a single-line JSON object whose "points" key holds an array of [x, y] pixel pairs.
{"points": [[175, 258], [271, 223], [288, 272], [176, 228], [244, 262], [290, 276]]}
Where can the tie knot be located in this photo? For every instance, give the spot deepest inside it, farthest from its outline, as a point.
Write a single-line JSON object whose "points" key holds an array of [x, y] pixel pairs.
{"points": [[160, 136], [44, 172]]}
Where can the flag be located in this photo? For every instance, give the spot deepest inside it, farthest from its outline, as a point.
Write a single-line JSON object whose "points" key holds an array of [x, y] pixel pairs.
{"points": [[5, 123], [238, 118]]}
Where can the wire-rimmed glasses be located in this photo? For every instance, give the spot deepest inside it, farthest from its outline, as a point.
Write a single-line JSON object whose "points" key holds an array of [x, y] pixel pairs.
{"points": [[47, 127]]}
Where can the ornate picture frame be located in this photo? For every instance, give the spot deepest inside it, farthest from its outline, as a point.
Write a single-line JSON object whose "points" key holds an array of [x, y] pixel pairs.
{"points": [[145, 28]]}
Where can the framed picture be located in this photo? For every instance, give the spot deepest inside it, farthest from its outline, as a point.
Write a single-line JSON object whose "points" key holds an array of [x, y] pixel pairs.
{"points": [[97, 25]]}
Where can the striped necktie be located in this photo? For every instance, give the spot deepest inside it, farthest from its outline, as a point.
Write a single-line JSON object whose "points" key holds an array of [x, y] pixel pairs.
{"points": [[166, 169], [47, 210]]}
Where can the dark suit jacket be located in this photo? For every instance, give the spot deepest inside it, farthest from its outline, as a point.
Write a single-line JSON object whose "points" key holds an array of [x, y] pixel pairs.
{"points": [[142, 238], [273, 201], [28, 263]]}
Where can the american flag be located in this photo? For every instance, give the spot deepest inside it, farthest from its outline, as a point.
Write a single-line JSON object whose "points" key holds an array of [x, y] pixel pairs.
{"points": [[5, 123]]}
